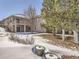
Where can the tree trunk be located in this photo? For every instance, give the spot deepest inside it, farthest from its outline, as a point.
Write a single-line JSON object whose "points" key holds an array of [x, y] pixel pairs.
{"points": [[63, 34], [54, 31], [75, 36]]}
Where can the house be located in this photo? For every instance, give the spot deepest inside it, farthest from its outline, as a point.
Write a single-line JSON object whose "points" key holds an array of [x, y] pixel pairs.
{"points": [[1, 23], [18, 23]]}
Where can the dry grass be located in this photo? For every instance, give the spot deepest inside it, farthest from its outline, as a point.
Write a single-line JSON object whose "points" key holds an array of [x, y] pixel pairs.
{"points": [[56, 40], [69, 57]]}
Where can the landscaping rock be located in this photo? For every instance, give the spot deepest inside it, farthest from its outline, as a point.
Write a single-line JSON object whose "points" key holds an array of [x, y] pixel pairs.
{"points": [[39, 50], [50, 56]]}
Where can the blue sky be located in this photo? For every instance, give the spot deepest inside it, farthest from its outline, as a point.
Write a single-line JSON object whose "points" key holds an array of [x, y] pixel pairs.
{"points": [[11, 7]]}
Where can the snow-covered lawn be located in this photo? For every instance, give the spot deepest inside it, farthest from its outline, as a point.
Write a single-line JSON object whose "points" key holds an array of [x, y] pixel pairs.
{"points": [[2, 29], [60, 50], [14, 50], [5, 42], [4, 39]]}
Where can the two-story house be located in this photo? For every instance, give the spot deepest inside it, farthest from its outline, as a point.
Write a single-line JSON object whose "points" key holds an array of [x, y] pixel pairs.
{"points": [[18, 23]]}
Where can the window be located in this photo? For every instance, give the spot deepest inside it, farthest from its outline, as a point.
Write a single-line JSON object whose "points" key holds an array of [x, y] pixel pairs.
{"points": [[20, 28], [28, 29], [14, 28], [10, 20], [18, 20]]}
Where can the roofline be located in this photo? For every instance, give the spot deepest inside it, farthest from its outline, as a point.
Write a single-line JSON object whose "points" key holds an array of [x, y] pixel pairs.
{"points": [[38, 16], [11, 16]]}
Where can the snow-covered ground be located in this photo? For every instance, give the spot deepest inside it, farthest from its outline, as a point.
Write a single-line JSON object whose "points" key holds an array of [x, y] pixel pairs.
{"points": [[2, 29], [18, 53], [59, 50], [14, 50], [5, 42], [4, 39]]}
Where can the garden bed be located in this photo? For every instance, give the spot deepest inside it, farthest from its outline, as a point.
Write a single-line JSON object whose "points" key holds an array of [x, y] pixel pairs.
{"points": [[55, 40], [69, 57]]}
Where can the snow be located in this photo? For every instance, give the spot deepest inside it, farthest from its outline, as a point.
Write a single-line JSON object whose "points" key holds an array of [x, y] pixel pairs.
{"points": [[26, 33], [19, 15], [5, 42], [18, 53], [4, 39], [60, 50], [51, 57], [14, 50], [2, 29]]}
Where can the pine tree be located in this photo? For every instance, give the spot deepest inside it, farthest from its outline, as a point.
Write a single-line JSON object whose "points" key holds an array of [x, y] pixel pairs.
{"points": [[50, 14], [61, 13]]}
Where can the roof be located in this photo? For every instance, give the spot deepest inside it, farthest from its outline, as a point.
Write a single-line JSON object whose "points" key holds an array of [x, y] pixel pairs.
{"points": [[19, 15], [23, 16]]}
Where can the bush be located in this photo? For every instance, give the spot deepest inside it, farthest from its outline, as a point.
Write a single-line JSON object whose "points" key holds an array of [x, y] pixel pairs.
{"points": [[11, 37], [16, 38]]}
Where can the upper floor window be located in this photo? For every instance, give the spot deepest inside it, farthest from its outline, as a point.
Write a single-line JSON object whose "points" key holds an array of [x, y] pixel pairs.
{"points": [[18, 20], [10, 20]]}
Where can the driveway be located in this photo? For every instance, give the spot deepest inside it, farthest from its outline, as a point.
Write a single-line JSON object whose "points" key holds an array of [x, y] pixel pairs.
{"points": [[17, 53], [14, 50]]}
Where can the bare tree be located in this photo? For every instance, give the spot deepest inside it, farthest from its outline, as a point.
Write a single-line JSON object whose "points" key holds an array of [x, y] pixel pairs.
{"points": [[30, 12]]}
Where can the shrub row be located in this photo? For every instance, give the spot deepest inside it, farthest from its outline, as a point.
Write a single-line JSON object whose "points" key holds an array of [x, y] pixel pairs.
{"points": [[16, 38]]}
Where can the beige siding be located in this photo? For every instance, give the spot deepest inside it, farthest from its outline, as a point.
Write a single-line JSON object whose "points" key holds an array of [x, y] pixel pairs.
{"points": [[13, 21]]}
